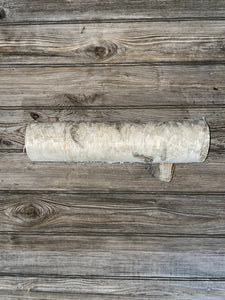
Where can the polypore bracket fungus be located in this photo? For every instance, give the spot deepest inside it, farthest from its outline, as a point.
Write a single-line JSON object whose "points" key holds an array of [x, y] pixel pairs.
{"points": [[163, 143]]}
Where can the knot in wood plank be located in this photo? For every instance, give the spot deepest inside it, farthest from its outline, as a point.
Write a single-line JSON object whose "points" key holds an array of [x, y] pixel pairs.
{"points": [[30, 213], [102, 50], [34, 115], [2, 13], [5, 142]]}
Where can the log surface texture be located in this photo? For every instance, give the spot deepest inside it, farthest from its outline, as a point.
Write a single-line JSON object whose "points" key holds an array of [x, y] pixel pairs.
{"points": [[98, 231]]}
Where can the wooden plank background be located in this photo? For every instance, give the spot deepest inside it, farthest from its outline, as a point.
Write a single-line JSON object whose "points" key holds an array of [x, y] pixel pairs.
{"points": [[112, 10], [96, 231], [113, 42]]}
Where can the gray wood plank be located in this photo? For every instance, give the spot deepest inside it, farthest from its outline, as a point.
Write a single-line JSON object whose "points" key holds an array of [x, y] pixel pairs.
{"points": [[19, 173], [14, 121], [63, 10], [157, 84], [112, 42], [158, 214], [84, 288], [104, 255]]}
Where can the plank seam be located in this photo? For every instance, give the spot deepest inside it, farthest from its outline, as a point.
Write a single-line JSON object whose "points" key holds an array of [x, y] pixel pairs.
{"points": [[97, 192], [93, 277], [113, 234], [101, 107], [125, 64], [113, 20]]}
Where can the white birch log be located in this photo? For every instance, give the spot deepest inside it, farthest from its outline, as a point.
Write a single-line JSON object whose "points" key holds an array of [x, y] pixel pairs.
{"points": [[152, 142], [156, 142]]}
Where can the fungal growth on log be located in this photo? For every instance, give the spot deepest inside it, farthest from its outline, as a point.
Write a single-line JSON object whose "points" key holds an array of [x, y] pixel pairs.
{"points": [[163, 143]]}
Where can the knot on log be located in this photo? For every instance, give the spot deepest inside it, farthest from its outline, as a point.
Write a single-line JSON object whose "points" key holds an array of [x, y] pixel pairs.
{"points": [[103, 50], [30, 214]]}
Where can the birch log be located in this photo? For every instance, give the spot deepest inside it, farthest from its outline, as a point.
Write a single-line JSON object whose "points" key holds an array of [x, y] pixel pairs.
{"points": [[152, 142]]}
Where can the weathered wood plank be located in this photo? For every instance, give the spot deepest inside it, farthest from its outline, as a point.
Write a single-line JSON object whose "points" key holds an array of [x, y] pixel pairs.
{"points": [[103, 255], [160, 214], [83, 288], [64, 10], [14, 121], [19, 173], [157, 84], [112, 42]]}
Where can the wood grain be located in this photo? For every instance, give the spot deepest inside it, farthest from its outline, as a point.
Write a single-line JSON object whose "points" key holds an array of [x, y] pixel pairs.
{"points": [[19, 173], [111, 288], [158, 214], [110, 255], [154, 84], [111, 231], [64, 10], [14, 121], [113, 42]]}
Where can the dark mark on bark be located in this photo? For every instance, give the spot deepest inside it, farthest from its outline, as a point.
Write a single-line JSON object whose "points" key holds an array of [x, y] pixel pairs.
{"points": [[145, 158], [215, 88], [74, 133], [119, 125], [164, 154]]}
